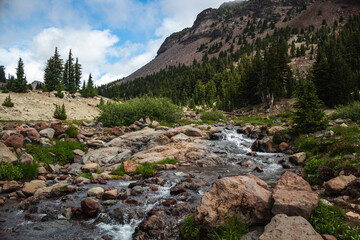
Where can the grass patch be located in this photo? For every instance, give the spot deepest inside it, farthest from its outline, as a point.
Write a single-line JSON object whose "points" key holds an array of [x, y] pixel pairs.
{"points": [[168, 161], [190, 229], [263, 119], [160, 109], [351, 111], [329, 220], [63, 151], [119, 171], [18, 171], [86, 175], [146, 169], [307, 144], [214, 115]]}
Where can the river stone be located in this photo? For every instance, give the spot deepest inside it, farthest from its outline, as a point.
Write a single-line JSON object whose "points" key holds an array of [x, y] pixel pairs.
{"points": [[112, 194], [31, 187], [47, 132], [239, 196], [90, 167], [95, 191], [298, 158], [283, 227], [293, 196], [6, 155], [338, 184], [90, 207], [11, 186], [137, 190], [15, 140]]}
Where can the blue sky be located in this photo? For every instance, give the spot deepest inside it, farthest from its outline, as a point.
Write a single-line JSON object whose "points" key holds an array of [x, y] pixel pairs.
{"points": [[111, 38]]}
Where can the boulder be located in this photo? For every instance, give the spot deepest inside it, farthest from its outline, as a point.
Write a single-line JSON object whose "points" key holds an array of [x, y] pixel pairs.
{"points": [[111, 194], [78, 152], [298, 158], [130, 166], [177, 189], [239, 196], [15, 140], [283, 146], [31, 187], [95, 143], [353, 188], [338, 184], [107, 156], [59, 129], [90, 207], [90, 167], [55, 190], [117, 131], [6, 155], [11, 187], [41, 126], [26, 158], [283, 227], [293, 196], [275, 129], [95, 191], [155, 123], [32, 134], [47, 132]]}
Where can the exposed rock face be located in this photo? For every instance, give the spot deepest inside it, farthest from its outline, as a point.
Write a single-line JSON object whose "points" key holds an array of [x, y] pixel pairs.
{"points": [[90, 207], [338, 184], [107, 156], [239, 196], [55, 190], [293, 196], [298, 158], [6, 155], [31, 187], [32, 134], [283, 227], [15, 140]]}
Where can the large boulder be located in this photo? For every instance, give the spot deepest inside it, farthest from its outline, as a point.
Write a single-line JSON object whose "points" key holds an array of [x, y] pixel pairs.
{"points": [[293, 196], [11, 186], [90, 167], [15, 140], [338, 184], [239, 196], [275, 129], [32, 134], [55, 190], [31, 187], [6, 155], [107, 156], [353, 188], [40, 126], [47, 132], [90, 207], [298, 158], [283, 227]]}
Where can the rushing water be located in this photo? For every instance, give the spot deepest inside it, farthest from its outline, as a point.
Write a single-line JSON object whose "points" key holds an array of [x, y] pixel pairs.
{"points": [[120, 220]]}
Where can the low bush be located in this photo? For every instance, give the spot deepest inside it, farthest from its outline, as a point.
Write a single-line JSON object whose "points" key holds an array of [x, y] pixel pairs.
{"points": [[330, 220], [18, 171], [86, 175], [146, 169], [60, 112], [119, 171], [214, 115], [160, 109], [306, 144], [72, 131], [190, 229], [351, 111], [233, 229], [7, 102]]}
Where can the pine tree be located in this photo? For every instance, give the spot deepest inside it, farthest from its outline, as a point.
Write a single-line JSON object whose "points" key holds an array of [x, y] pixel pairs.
{"points": [[69, 74], [53, 71], [7, 102], [2, 74], [309, 117], [89, 91], [59, 89], [77, 69], [60, 112], [20, 81]]}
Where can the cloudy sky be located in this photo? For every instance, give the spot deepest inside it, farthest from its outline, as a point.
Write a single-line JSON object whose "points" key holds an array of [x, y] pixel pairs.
{"points": [[111, 38]]}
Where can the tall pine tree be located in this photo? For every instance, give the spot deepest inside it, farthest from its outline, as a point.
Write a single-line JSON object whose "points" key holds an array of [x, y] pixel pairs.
{"points": [[69, 74], [77, 69], [20, 83], [53, 71], [2, 74]]}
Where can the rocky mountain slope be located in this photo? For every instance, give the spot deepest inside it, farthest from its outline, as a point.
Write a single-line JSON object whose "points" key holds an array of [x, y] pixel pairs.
{"points": [[226, 28]]}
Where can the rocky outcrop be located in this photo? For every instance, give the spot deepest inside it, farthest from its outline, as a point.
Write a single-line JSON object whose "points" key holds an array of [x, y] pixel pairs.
{"points": [[338, 184], [293, 196], [283, 227], [107, 156], [239, 196]]}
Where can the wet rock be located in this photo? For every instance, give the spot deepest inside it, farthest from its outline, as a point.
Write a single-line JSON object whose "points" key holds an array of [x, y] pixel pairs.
{"points": [[293, 196], [20, 194], [338, 184], [154, 188], [15, 140], [57, 126], [137, 190], [82, 180], [258, 169], [11, 186], [133, 201], [32, 134], [47, 132], [239, 196], [50, 176], [90, 167], [90, 207], [169, 202], [95, 191], [283, 227], [6, 155], [253, 154], [177, 189], [130, 166], [55, 190], [31, 187], [298, 158], [112, 194]]}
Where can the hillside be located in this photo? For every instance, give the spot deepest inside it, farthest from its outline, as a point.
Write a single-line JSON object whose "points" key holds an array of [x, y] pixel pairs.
{"points": [[40, 106], [227, 28]]}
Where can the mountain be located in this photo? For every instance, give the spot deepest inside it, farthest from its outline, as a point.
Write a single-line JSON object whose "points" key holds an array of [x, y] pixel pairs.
{"points": [[226, 28]]}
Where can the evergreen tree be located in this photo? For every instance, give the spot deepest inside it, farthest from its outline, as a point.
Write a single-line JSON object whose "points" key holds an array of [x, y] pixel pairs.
{"points": [[20, 81], [7, 102], [60, 112], [2, 74], [69, 74], [89, 91], [309, 117], [77, 69], [59, 89], [53, 71]]}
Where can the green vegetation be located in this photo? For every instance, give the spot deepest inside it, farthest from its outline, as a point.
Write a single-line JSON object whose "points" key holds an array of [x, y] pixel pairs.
{"points": [[4, 89], [190, 229], [72, 131], [86, 175], [214, 115], [168, 161], [18, 171], [7, 102], [233, 229], [160, 109], [330, 220], [263, 119], [60, 112], [306, 144], [63, 152], [351, 111], [88, 90]]}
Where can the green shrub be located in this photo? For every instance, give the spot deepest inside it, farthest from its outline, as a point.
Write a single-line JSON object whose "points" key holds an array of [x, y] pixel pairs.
{"points": [[190, 229], [60, 112], [306, 144], [63, 151], [160, 109], [7, 102], [18, 171], [214, 115], [119, 171], [233, 229], [351, 111], [146, 169], [311, 170], [87, 175], [168, 161], [72, 131], [329, 220], [4, 89]]}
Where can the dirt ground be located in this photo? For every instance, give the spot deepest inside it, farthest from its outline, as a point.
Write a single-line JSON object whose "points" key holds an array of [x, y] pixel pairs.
{"points": [[33, 106]]}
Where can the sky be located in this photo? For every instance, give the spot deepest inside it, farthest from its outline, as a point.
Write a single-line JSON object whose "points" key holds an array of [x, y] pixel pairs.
{"points": [[111, 38]]}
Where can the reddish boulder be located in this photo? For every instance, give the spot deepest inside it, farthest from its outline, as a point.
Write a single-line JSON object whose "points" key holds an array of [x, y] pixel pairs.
{"points": [[32, 134], [338, 184], [169, 202], [16, 140], [90, 207], [117, 131], [40, 126], [59, 129], [130, 166]]}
